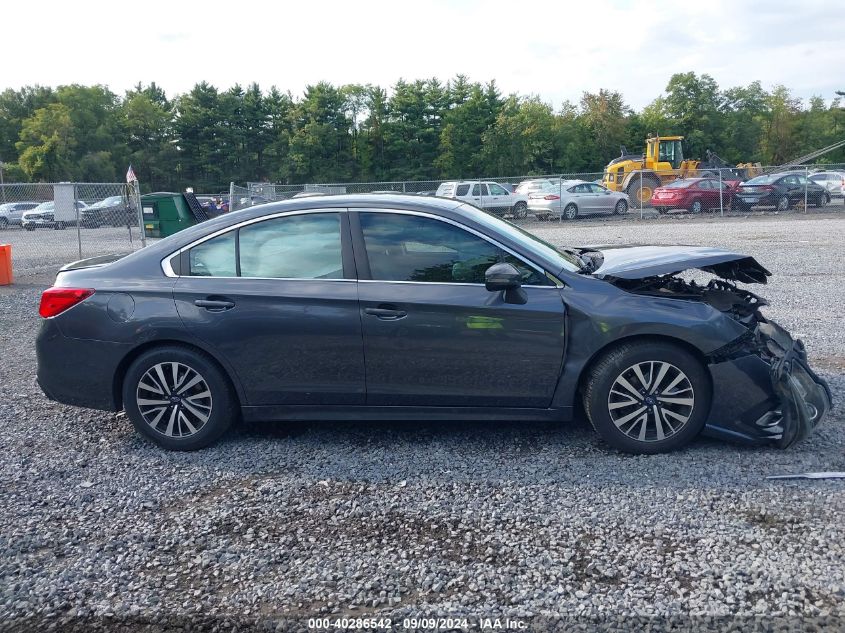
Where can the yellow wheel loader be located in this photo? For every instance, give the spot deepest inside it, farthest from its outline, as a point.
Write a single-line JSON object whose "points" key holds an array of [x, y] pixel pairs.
{"points": [[639, 175]]}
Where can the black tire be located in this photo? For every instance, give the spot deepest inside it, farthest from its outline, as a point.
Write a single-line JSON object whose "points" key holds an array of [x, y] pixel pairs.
{"points": [[662, 210], [621, 208], [520, 210], [782, 203], [696, 206], [822, 201], [619, 362], [221, 405], [570, 212]]}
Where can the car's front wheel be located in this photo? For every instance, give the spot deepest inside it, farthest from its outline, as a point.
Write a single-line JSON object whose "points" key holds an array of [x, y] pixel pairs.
{"points": [[647, 397], [621, 208], [570, 212], [179, 398], [783, 203], [823, 199]]}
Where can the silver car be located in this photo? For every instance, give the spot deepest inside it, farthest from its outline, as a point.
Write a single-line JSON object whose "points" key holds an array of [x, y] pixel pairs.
{"points": [[833, 181], [568, 199], [11, 212]]}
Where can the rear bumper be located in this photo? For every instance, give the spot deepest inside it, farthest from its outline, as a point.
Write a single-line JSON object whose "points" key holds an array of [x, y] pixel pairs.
{"points": [[77, 372], [766, 392]]}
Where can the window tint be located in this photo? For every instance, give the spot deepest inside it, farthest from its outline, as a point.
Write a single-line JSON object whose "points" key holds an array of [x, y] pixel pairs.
{"points": [[706, 184], [789, 180], [413, 248], [293, 247], [581, 189], [597, 188], [462, 190], [496, 190], [479, 190], [215, 257]]}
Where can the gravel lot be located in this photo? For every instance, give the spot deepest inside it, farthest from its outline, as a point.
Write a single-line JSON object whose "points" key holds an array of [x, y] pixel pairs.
{"points": [[279, 523]]}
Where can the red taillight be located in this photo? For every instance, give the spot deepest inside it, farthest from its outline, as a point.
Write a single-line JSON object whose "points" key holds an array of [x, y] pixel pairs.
{"points": [[551, 196], [56, 300]]}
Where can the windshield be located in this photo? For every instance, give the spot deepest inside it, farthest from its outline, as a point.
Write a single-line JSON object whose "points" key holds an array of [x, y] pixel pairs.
{"points": [[762, 180], [679, 184], [44, 206], [568, 261]]}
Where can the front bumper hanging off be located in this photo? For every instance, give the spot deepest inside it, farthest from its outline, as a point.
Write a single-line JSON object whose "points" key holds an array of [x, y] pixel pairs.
{"points": [[768, 380]]}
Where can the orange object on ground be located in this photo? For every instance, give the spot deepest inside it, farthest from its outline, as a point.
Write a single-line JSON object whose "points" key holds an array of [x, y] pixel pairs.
{"points": [[6, 277]]}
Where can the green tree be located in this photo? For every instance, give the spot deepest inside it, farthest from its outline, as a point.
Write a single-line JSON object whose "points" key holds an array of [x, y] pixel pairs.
{"points": [[46, 144]]}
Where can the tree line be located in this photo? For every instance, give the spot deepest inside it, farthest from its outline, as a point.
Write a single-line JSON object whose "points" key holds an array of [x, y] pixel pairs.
{"points": [[420, 130]]}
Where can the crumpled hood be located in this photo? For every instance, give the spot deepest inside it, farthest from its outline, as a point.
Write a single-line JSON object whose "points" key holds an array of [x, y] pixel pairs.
{"points": [[637, 262]]}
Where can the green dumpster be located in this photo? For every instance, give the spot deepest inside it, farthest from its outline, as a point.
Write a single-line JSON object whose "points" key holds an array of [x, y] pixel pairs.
{"points": [[166, 213]]}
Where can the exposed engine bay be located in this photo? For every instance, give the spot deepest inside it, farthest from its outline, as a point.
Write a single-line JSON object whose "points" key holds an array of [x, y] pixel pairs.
{"points": [[722, 295]]}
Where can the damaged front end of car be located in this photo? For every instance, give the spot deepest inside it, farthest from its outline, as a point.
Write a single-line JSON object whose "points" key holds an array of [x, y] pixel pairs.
{"points": [[764, 391]]}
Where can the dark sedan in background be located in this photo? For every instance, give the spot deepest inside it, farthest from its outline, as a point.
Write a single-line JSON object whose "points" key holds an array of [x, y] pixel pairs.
{"points": [[781, 191], [404, 307]]}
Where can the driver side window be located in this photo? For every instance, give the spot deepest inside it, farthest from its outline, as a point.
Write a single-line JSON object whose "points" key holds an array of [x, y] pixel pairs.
{"points": [[404, 247]]}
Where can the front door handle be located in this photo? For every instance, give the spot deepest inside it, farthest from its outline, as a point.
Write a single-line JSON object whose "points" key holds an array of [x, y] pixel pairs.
{"points": [[386, 314], [214, 305]]}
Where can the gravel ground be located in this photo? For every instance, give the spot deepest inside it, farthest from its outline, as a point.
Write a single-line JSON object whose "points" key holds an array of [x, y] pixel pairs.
{"points": [[280, 523]]}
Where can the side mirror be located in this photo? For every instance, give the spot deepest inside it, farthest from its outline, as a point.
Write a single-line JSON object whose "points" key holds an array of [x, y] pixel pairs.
{"points": [[502, 277], [507, 278]]}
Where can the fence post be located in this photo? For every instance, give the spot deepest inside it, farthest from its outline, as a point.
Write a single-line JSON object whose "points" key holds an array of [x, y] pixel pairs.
{"points": [[721, 195], [232, 195], [641, 194], [806, 183], [136, 194], [78, 223]]}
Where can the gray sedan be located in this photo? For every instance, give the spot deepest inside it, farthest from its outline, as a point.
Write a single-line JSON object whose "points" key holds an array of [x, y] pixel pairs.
{"points": [[567, 199], [401, 307]]}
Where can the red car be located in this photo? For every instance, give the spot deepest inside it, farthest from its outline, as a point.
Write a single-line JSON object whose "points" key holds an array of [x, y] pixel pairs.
{"points": [[695, 194]]}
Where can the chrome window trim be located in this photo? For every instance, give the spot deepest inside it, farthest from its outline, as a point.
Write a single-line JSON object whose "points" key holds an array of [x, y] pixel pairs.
{"points": [[168, 271]]}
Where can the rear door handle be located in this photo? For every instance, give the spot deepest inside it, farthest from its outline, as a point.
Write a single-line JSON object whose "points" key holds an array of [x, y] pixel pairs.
{"points": [[386, 314], [214, 305]]}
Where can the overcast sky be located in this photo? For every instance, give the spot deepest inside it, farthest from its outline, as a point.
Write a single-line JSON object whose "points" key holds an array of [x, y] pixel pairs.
{"points": [[556, 50]]}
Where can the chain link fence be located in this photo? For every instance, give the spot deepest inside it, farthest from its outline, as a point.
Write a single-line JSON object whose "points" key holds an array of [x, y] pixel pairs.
{"points": [[642, 192], [48, 224]]}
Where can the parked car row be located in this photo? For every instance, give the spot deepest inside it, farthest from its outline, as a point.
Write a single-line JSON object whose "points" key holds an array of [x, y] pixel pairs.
{"points": [[490, 196], [30, 215]]}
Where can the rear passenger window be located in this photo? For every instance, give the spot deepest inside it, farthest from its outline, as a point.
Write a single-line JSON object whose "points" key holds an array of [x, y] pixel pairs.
{"points": [[293, 247], [462, 190], [215, 257]]}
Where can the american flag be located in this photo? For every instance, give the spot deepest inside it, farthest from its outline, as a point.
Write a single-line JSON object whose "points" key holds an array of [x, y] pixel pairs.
{"points": [[130, 175]]}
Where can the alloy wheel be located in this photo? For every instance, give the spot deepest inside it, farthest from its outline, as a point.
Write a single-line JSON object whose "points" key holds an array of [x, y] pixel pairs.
{"points": [[651, 401], [174, 399]]}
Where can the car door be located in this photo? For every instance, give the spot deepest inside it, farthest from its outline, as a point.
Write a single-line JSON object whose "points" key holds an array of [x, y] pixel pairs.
{"points": [[277, 299], [602, 200], [792, 188], [433, 334], [584, 198], [499, 198], [480, 196]]}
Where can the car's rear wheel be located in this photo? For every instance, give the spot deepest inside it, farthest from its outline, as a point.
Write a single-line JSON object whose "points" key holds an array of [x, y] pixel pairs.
{"points": [[783, 203], [570, 212], [696, 206], [621, 208], [647, 397], [520, 210], [178, 398]]}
